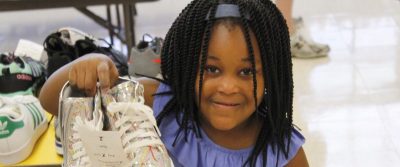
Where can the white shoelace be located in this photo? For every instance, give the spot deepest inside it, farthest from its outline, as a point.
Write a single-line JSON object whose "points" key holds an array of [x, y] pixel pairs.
{"points": [[12, 112], [78, 148], [136, 121], [9, 106]]}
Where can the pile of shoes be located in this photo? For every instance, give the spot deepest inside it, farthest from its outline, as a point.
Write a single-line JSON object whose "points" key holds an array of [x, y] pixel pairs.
{"points": [[22, 118], [67, 44], [145, 57], [20, 74], [120, 113], [118, 116]]}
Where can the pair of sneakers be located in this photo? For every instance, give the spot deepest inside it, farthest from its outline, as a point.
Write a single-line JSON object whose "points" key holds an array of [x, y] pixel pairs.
{"points": [[145, 57], [22, 122], [301, 44], [68, 44], [121, 110]]}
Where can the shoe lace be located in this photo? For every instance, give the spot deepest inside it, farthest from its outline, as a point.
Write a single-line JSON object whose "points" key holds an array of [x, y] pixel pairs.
{"points": [[17, 99], [136, 124], [11, 111], [79, 153]]}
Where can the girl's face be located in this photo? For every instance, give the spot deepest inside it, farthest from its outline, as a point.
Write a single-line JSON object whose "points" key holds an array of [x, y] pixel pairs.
{"points": [[227, 100]]}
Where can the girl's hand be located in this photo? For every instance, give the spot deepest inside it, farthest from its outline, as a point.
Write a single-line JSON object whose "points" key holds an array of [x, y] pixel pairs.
{"points": [[85, 72]]}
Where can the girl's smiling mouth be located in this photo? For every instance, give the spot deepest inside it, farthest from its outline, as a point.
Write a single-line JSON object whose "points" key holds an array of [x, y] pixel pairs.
{"points": [[226, 105]]}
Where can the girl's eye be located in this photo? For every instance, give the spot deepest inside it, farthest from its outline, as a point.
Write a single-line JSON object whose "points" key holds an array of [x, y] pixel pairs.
{"points": [[246, 72], [211, 69]]}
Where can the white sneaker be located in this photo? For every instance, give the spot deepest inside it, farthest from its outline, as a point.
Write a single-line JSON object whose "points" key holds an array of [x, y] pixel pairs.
{"points": [[140, 136], [75, 111], [303, 46], [301, 28], [70, 35], [22, 122], [145, 57]]}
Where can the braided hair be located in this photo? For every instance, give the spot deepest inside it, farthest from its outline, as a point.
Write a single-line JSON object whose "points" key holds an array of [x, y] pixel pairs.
{"points": [[184, 55]]}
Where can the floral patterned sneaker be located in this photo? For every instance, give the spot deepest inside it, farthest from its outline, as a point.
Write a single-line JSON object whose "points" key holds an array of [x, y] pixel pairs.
{"points": [[76, 111], [140, 136]]}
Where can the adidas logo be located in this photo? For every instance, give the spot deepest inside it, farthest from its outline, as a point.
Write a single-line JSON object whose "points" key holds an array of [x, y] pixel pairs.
{"points": [[7, 127], [3, 126], [24, 77]]}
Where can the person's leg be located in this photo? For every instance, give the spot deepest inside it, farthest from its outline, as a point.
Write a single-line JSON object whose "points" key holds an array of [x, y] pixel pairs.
{"points": [[286, 6], [302, 46]]}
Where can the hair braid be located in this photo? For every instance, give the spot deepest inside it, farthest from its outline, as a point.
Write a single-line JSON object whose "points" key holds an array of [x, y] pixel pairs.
{"points": [[250, 48], [184, 48], [182, 41], [204, 51], [284, 76], [168, 60], [284, 64], [200, 14], [266, 48], [260, 143]]}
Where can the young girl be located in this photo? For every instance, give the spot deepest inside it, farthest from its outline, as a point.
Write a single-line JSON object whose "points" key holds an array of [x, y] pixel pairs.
{"points": [[227, 88]]}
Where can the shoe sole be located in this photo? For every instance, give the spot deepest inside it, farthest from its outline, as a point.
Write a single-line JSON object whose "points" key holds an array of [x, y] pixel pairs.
{"points": [[59, 148]]}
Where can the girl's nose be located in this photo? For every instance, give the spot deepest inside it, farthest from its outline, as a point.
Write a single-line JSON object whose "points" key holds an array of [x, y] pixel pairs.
{"points": [[228, 85]]}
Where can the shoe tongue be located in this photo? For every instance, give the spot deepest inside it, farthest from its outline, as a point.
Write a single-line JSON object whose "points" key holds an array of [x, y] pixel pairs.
{"points": [[125, 92]]}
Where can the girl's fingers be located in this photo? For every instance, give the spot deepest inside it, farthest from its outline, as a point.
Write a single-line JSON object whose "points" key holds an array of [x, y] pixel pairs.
{"points": [[90, 82], [72, 76], [80, 79], [113, 73], [103, 74], [85, 74]]}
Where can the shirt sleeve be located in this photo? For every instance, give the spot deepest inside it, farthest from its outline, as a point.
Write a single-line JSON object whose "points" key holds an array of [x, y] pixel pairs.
{"points": [[297, 140]]}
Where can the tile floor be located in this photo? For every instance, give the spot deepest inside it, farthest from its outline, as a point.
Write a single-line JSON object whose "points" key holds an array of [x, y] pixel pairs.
{"points": [[347, 105]]}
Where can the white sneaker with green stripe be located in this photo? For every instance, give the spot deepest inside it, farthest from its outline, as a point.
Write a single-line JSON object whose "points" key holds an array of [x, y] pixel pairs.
{"points": [[22, 122]]}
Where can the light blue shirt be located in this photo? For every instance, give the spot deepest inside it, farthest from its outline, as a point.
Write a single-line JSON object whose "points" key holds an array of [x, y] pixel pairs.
{"points": [[203, 152]]}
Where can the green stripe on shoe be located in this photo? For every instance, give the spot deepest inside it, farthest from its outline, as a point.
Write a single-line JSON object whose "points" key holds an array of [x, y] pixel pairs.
{"points": [[35, 117], [38, 111]]}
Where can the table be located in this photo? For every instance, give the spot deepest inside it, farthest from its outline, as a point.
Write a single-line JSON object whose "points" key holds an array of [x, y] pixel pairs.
{"points": [[126, 34]]}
